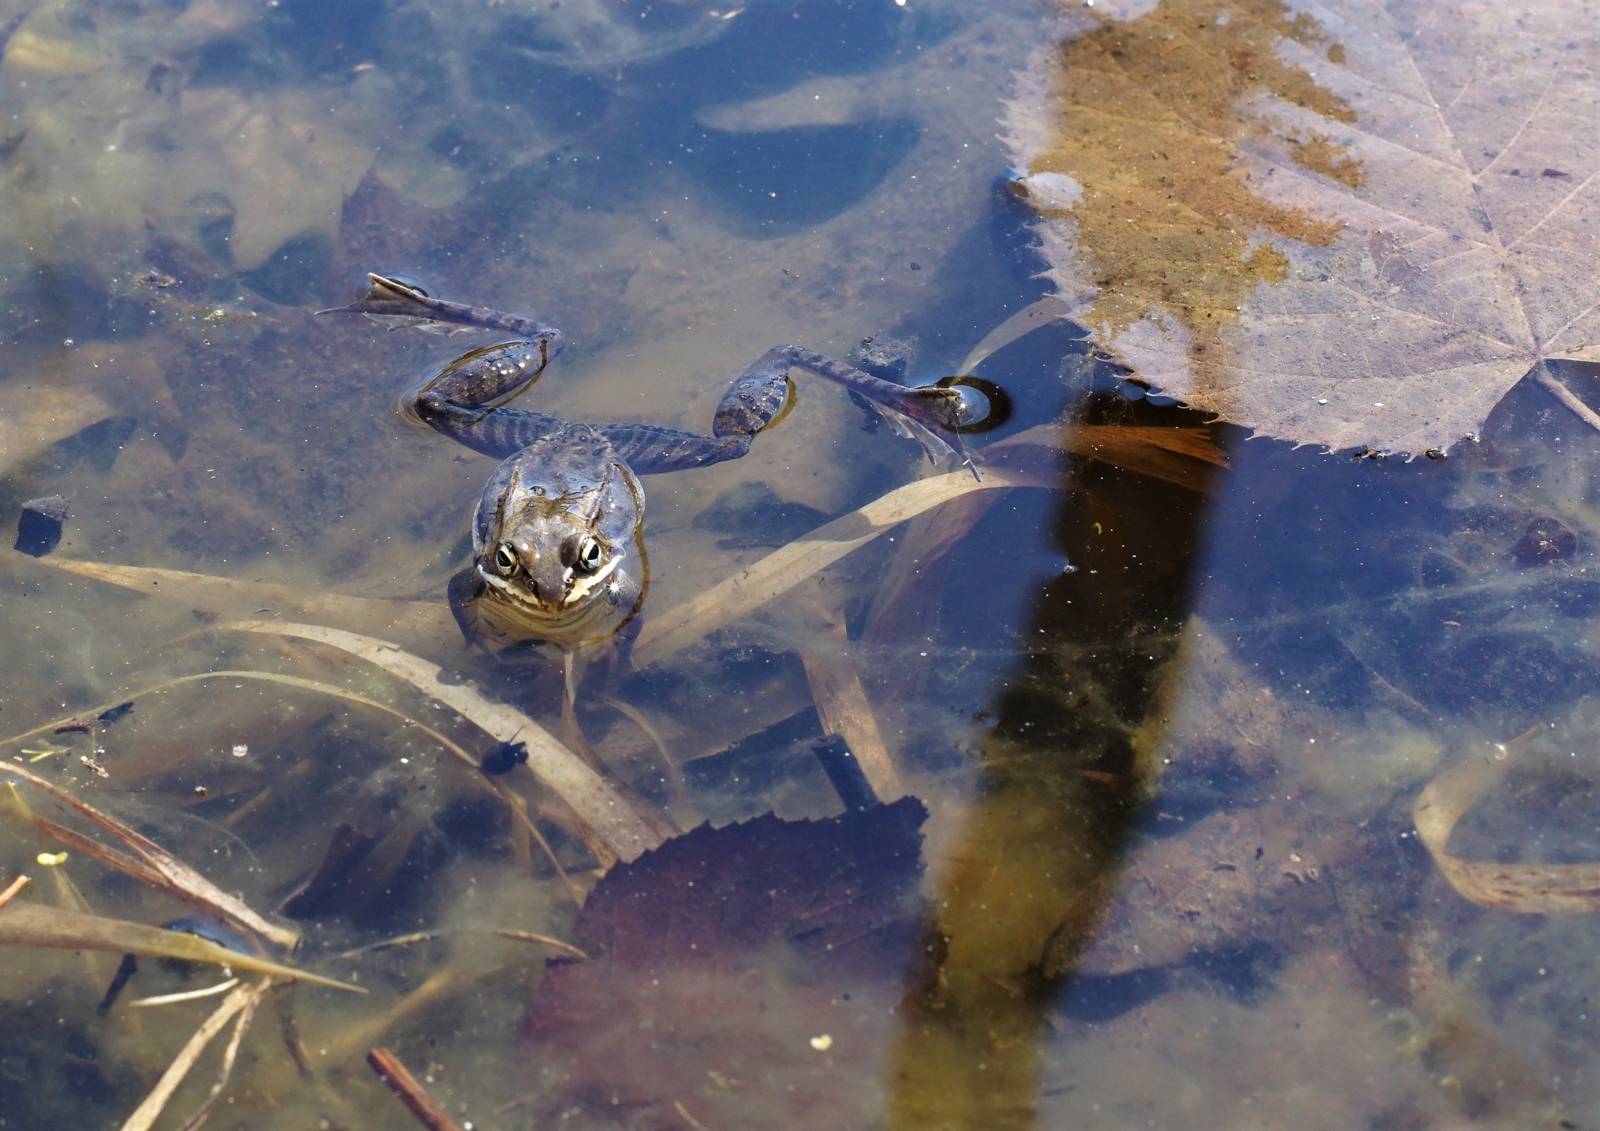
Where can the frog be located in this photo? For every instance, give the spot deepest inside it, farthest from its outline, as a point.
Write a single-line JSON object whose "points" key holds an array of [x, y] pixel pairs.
{"points": [[557, 534]]}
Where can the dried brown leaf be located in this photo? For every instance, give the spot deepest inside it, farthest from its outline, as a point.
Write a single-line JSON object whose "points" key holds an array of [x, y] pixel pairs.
{"points": [[1355, 224], [51, 414]]}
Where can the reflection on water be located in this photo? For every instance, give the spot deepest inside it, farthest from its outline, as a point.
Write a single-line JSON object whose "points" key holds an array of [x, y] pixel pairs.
{"points": [[1169, 702]]}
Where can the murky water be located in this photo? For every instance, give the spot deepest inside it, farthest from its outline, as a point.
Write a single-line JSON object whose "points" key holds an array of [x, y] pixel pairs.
{"points": [[1170, 709]]}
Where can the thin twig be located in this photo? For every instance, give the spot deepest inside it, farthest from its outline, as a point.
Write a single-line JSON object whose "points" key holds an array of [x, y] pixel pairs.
{"points": [[429, 1112], [15, 886], [289, 1029], [682, 1111]]}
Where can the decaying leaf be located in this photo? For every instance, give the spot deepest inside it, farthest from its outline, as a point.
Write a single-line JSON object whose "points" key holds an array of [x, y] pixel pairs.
{"points": [[1343, 224], [803, 930]]}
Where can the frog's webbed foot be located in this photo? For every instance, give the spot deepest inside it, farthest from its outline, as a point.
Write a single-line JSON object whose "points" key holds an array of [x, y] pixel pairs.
{"points": [[934, 417], [404, 299]]}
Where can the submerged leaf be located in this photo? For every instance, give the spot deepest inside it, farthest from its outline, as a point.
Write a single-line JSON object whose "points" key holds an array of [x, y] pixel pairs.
{"points": [[770, 952], [1354, 225]]}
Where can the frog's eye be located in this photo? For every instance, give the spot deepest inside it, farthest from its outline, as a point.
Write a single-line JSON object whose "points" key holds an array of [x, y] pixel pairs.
{"points": [[589, 554], [505, 559]]}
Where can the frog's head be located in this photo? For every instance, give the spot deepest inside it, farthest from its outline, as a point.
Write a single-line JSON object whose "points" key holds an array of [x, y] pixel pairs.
{"points": [[553, 549]]}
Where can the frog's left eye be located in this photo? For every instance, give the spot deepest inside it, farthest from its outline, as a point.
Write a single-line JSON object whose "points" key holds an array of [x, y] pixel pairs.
{"points": [[505, 559], [589, 554]]}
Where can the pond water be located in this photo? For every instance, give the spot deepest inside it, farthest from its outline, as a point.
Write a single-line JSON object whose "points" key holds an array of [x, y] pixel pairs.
{"points": [[1152, 708]]}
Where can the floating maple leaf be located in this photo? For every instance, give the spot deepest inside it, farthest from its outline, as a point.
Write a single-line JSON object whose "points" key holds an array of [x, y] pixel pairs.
{"points": [[1342, 223]]}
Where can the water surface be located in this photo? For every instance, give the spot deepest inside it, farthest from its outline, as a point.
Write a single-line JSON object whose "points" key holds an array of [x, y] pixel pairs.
{"points": [[1168, 729]]}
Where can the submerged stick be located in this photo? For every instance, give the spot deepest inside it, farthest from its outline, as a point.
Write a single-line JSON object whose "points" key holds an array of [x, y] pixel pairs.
{"points": [[12, 889], [429, 1112], [229, 1055]]}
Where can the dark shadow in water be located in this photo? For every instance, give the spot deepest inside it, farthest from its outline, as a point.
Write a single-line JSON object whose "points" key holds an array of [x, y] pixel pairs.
{"points": [[1057, 801]]}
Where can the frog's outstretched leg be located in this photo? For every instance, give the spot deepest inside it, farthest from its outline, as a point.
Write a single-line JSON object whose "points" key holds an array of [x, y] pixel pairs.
{"points": [[931, 416], [390, 297], [464, 401]]}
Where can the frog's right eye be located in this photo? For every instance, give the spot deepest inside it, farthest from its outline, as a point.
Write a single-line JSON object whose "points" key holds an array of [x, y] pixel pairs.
{"points": [[505, 559]]}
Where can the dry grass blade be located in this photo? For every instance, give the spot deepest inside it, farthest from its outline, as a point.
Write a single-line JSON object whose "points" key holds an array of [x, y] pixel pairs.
{"points": [[844, 708], [784, 568], [515, 803], [177, 877], [546, 940], [1185, 456], [145, 1115], [617, 830], [229, 1055], [23, 923], [1533, 889], [230, 597], [1051, 308]]}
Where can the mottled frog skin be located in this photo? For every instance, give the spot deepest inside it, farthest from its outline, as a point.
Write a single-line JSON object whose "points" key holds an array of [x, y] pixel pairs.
{"points": [[557, 546]]}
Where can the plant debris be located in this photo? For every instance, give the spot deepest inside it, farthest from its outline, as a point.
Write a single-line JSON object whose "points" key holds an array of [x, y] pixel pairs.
{"points": [[798, 927]]}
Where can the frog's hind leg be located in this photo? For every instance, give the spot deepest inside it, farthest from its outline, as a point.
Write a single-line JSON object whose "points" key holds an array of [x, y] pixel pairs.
{"points": [[465, 400], [392, 297], [761, 393]]}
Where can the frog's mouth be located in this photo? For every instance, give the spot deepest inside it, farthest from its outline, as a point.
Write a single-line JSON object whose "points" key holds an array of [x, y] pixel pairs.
{"points": [[581, 593]]}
